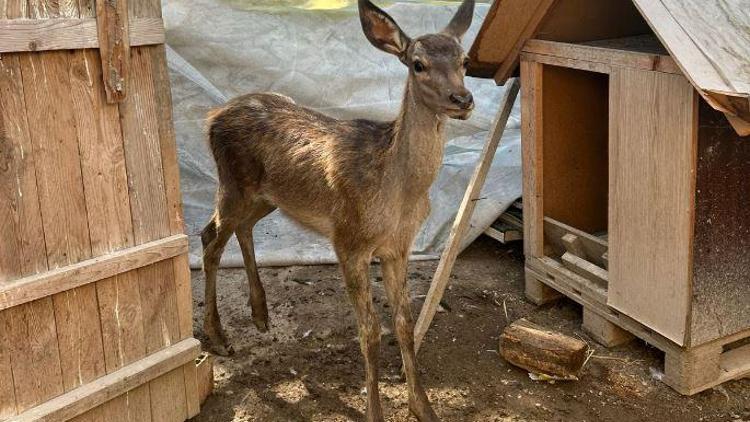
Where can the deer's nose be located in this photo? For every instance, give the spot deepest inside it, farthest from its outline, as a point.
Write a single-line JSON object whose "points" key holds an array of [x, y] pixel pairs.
{"points": [[464, 101]]}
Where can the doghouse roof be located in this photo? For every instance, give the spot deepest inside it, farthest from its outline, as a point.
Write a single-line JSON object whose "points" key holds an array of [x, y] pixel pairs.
{"points": [[709, 39]]}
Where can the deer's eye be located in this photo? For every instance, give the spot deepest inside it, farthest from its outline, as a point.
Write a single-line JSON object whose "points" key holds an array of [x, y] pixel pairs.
{"points": [[418, 66], [466, 63]]}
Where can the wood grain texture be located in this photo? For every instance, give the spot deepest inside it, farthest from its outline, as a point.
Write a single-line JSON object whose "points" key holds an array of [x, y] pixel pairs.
{"points": [[721, 254], [7, 392], [70, 34], [89, 271], [575, 147], [81, 400], [652, 156], [102, 156], [603, 54], [140, 130], [531, 141], [114, 46]]}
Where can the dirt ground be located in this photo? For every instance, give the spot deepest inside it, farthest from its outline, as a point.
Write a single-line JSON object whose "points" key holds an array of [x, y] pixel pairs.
{"points": [[308, 367]]}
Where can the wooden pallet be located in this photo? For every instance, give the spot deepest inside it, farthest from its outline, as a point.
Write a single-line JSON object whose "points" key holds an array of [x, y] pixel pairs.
{"points": [[687, 370]]}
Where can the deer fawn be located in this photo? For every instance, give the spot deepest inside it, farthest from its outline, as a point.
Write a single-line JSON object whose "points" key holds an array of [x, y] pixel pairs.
{"points": [[363, 184]]}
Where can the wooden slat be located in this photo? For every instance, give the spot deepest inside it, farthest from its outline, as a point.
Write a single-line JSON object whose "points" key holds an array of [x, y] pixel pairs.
{"points": [[531, 133], [448, 258], [7, 393], [82, 399], [143, 151], [102, 156], [70, 34], [82, 273], [511, 58], [114, 46], [650, 246], [608, 56]]}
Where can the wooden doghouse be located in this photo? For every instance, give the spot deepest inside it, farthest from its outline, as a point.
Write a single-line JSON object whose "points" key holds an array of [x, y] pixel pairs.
{"points": [[95, 296], [636, 169]]}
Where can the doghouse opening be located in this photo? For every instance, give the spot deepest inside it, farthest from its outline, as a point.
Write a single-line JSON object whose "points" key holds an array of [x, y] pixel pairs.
{"points": [[576, 148]]}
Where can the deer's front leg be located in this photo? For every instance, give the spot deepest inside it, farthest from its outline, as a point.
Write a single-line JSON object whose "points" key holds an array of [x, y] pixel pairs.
{"points": [[355, 268], [394, 276]]}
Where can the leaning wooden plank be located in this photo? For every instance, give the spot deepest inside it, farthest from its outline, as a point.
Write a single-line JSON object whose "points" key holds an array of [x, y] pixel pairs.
{"points": [[62, 279], [70, 34], [542, 351], [448, 258], [114, 46], [143, 151], [82, 399]]}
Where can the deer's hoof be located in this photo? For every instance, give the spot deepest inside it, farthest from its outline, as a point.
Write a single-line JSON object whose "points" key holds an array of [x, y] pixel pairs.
{"points": [[423, 413], [261, 323]]}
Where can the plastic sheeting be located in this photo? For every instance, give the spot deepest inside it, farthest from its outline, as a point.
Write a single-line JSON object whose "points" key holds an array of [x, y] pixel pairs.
{"points": [[221, 49]]}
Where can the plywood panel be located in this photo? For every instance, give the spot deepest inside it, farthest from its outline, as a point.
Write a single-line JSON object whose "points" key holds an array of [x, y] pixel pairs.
{"points": [[652, 156], [575, 148], [721, 283]]}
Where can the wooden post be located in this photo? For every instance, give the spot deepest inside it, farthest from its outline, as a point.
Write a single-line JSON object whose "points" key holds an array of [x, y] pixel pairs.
{"points": [[440, 281], [114, 46]]}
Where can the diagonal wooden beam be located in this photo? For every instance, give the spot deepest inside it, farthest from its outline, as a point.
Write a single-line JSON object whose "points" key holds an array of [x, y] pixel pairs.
{"points": [[448, 258]]}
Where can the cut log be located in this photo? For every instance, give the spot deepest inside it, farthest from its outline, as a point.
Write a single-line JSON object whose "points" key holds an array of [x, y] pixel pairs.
{"points": [[542, 351]]}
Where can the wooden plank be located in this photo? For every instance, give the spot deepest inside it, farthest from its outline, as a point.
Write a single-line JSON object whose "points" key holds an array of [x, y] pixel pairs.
{"points": [[79, 274], [448, 258], [585, 269], [168, 143], [79, 336], [696, 66], [7, 393], [511, 58], [82, 399], [652, 155], [35, 354], [574, 245], [604, 332], [531, 136], [114, 46], [593, 247], [168, 402], [70, 34], [140, 129], [608, 56], [205, 367], [102, 156]]}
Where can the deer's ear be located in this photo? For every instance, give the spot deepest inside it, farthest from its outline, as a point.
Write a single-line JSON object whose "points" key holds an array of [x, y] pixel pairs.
{"points": [[461, 20], [382, 30]]}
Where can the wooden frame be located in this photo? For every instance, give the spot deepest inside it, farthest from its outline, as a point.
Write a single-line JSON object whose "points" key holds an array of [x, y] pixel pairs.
{"points": [[95, 295], [613, 276]]}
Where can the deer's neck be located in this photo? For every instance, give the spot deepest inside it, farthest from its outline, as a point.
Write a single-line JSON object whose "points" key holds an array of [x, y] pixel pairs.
{"points": [[417, 144]]}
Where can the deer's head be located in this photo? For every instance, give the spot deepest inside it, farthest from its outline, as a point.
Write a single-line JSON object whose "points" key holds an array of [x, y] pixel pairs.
{"points": [[437, 62]]}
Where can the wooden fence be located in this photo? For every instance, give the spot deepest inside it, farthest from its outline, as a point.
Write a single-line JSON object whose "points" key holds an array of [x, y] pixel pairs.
{"points": [[95, 297]]}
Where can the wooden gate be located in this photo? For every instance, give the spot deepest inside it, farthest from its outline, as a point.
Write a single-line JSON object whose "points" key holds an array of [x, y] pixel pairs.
{"points": [[95, 297]]}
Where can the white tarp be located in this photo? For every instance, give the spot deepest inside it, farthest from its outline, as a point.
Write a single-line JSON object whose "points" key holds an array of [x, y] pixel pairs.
{"points": [[219, 49]]}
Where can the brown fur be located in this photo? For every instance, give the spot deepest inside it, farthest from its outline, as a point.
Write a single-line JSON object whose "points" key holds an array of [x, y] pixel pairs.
{"points": [[361, 183]]}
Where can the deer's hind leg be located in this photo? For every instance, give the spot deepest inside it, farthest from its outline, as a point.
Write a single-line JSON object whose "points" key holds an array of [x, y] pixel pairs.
{"points": [[244, 232], [214, 238]]}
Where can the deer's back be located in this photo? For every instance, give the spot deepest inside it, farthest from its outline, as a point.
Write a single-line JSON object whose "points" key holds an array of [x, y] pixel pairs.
{"points": [[297, 158]]}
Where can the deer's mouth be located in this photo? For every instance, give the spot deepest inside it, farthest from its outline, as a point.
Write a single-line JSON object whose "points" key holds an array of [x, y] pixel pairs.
{"points": [[459, 113]]}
